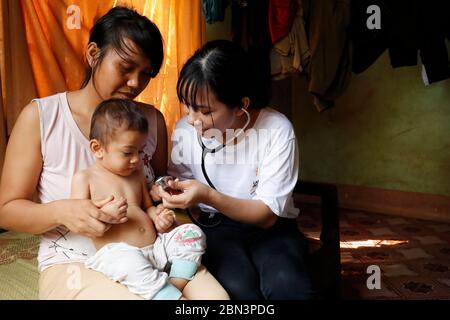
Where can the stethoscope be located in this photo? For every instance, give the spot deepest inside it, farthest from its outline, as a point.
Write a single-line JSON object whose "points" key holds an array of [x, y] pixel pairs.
{"points": [[205, 150]]}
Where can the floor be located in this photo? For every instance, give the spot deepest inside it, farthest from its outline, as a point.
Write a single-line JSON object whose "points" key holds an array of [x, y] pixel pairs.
{"points": [[411, 257]]}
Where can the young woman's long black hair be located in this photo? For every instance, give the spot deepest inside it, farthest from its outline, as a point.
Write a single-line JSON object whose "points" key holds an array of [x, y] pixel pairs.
{"points": [[220, 67], [119, 24]]}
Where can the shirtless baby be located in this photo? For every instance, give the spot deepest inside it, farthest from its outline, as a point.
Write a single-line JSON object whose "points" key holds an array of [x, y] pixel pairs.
{"points": [[136, 253]]}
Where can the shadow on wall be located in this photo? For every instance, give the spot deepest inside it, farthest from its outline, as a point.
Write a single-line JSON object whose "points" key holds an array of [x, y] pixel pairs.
{"points": [[387, 131]]}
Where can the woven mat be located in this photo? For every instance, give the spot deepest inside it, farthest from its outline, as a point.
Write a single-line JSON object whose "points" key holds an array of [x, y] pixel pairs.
{"points": [[18, 266]]}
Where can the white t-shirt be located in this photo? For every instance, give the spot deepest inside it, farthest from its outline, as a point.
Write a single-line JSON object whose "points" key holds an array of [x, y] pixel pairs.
{"points": [[262, 166]]}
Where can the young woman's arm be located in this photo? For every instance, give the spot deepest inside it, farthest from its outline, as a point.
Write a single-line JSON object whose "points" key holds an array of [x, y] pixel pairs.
{"points": [[21, 172], [277, 177], [247, 211], [243, 210]]}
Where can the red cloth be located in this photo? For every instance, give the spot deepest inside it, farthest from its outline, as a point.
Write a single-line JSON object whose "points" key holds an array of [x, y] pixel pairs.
{"points": [[281, 17]]}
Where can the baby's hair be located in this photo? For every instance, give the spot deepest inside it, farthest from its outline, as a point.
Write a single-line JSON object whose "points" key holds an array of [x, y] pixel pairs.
{"points": [[112, 114]]}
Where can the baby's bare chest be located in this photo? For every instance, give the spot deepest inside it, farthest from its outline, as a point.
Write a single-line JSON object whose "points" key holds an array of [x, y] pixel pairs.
{"points": [[126, 187]]}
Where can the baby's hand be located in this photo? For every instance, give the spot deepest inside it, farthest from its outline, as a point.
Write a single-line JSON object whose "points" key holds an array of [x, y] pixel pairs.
{"points": [[165, 218], [154, 193], [116, 208], [159, 208]]}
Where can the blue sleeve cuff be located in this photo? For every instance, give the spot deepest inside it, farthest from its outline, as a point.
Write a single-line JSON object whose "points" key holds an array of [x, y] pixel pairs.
{"points": [[184, 269], [168, 292]]}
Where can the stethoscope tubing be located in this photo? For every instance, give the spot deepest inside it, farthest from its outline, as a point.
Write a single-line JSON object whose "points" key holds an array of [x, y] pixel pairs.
{"points": [[205, 151]]}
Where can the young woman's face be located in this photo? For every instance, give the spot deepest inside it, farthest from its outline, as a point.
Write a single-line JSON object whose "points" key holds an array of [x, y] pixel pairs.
{"points": [[122, 76], [122, 154], [209, 113]]}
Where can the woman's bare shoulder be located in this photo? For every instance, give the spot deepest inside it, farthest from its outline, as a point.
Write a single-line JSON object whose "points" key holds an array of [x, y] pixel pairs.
{"points": [[28, 119], [149, 109], [30, 112]]}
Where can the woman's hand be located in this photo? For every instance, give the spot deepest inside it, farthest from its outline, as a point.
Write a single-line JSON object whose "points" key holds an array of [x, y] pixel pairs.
{"points": [[117, 208], [85, 217], [193, 192], [154, 193]]}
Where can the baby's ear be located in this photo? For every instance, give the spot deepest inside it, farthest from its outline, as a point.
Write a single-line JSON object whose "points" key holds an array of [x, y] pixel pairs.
{"points": [[96, 148]]}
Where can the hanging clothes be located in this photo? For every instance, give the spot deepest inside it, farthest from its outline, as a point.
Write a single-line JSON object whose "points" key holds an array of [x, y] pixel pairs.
{"points": [[329, 70], [422, 27], [368, 44], [404, 33], [407, 26], [250, 29], [434, 20], [282, 14], [214, 10], [291, 54]]}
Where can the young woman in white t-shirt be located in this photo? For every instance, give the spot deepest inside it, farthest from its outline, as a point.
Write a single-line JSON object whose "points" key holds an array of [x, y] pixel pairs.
{"points": [[238, 161]]}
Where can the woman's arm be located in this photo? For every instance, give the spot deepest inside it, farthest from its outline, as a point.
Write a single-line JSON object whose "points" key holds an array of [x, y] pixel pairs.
{"points": [[21, 172], [246, 211], [276, 180], [159, 158], [80, 189], [243, 210]]}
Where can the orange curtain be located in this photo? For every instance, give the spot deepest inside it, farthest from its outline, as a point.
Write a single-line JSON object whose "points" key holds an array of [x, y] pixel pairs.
{"points": [[17, 86], [56, 44]]}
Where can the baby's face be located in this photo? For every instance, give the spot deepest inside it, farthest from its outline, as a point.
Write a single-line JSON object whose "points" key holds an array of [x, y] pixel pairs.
{"points": [[122, 155]]}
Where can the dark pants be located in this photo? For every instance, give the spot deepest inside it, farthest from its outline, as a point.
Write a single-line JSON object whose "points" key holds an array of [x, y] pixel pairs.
{"points": [[253, 263]]}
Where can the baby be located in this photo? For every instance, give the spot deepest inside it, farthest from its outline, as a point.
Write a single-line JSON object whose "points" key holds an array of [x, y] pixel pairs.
{"points": [[133, 253]]}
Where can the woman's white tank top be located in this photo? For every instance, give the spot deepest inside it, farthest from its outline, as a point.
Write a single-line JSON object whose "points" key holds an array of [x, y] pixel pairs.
{"points": [[65, 150]]}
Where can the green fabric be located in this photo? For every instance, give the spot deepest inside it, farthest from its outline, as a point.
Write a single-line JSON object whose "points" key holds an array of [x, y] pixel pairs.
{"points": [[19, 275]]}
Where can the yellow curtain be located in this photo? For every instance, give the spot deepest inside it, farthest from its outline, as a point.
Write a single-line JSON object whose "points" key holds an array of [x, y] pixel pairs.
{"points": [[56, 44]]}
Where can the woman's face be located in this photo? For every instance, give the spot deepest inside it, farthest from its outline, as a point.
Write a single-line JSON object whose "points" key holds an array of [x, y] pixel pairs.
{"points": [[122, 76], [209, 114]]}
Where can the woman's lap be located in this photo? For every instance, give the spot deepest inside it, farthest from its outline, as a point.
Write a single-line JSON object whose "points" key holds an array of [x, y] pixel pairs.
{"points": [[229, 262], [75, 282], [252, 263], [204, 287], [279, 255]]}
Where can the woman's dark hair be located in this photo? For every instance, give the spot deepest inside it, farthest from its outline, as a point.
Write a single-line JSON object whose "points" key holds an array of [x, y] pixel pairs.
{"points": [[118, 24], [112, 114], [221, 67]]}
